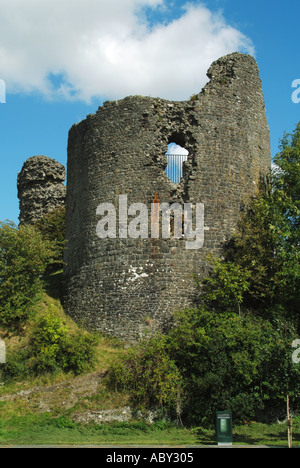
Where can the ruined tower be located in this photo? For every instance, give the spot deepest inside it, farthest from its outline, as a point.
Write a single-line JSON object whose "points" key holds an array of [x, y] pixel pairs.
{"points": [[127, 286], [41, 188]]}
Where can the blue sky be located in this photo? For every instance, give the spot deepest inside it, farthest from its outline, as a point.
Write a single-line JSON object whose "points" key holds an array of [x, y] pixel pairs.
{"points": [[61, 59]]}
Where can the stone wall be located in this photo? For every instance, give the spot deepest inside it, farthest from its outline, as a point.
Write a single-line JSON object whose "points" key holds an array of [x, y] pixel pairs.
{"points": [[41, 188], [127, 287]]}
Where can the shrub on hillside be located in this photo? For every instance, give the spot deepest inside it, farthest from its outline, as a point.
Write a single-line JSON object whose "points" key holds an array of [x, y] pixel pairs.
{"points": [[149, 375], [54, 347], [24, 257], [52, 227]]}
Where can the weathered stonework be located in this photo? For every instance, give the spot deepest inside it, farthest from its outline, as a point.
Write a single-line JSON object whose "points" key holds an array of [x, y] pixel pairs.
{"points": [[41, 188], [127, 287]]}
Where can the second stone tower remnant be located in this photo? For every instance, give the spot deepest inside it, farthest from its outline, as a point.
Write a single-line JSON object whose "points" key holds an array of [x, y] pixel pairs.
{"points": [[41, 188]]}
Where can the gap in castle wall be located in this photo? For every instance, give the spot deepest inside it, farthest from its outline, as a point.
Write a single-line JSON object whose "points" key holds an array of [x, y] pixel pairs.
{"points": [[176, 156]]}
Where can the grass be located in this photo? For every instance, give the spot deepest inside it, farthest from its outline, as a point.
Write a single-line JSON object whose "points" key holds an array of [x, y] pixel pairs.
{"points": [[45, 430], [18, 426]]}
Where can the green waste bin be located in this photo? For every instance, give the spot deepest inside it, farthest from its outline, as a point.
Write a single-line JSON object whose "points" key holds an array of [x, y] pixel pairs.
{"points": [[2, 358], [224, 428]]}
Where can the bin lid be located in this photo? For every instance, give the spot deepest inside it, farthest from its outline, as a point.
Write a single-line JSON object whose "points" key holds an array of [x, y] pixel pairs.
{"points": [[224, 414], [2, 352]]}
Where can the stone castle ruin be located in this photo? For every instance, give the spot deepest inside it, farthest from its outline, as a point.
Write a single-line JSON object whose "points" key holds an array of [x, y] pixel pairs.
{"points": [[127, 285], [41, 188]]}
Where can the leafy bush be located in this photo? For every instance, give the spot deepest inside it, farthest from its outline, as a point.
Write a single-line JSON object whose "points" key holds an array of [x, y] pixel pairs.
{"points": [[225, 287], [232, 361], [24, 257], [149, 374], [52, 227], [17, 365], [53, 347], [50, 347]]}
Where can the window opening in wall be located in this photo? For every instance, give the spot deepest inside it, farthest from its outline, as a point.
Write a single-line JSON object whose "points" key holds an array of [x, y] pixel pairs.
{"points": [[176, 155]]}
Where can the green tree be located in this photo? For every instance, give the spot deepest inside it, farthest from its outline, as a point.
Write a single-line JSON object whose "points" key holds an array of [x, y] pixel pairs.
{"points": [[231, 361], [286, 196], [24, 257], [224, 288], [261, 262], [286, 180], [52, 227]]}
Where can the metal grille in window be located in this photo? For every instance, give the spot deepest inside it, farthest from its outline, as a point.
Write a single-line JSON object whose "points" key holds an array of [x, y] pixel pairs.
{"points": [[174, 167]]}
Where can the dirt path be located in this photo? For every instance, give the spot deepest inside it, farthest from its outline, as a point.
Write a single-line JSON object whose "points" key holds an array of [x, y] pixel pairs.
{"points": [[64, 394]]}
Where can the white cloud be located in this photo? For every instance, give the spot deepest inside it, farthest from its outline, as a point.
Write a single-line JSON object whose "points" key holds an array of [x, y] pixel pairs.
{"points": [[108, 49], [173, 148]]}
